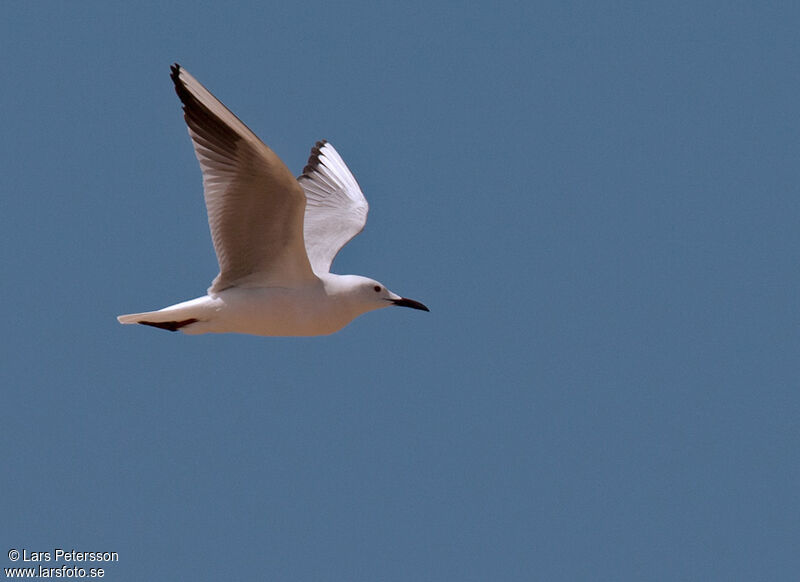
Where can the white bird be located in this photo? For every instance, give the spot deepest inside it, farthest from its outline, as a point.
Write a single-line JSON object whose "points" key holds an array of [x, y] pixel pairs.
{"points": [[275, 236]]}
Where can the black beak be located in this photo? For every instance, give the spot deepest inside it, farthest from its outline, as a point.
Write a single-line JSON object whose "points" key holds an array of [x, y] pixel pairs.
{"points": [[403, 302]]}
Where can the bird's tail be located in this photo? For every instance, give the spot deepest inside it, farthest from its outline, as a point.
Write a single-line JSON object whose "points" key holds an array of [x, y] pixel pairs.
{"points": [[160, 319], [174, 317]]}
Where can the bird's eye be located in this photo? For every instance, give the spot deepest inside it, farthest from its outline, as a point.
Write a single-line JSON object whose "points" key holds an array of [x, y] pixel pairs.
{"points": [[377, 288]]}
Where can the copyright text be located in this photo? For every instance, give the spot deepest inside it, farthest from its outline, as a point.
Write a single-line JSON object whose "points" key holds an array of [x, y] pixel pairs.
{"points": [[66, 563]]}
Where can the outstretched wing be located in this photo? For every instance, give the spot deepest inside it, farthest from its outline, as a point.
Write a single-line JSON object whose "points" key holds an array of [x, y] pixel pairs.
{"points": [[255, 205], [336, 210]]}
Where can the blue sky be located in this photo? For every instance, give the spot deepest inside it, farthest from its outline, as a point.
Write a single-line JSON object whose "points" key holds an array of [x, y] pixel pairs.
{"points": [[598, 202]]}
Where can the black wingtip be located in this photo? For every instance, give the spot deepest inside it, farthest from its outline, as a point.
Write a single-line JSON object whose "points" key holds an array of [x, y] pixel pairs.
{"points": [[180, 88], [175, 73], [313, 159]]}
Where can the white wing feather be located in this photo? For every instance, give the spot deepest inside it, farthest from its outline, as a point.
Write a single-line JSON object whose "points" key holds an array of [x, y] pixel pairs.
{"points": [[336, 209]]}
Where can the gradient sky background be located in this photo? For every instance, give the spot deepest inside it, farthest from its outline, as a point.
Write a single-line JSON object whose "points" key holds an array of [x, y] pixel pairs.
{"points": [[598, 202]]}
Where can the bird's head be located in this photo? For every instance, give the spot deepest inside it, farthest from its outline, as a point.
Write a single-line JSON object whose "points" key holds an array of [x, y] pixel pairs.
{"points": [[371, 294]]}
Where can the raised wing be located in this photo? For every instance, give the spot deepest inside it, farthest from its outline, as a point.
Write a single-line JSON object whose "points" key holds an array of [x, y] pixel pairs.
{"points": [[255, 206], [336, 210]]}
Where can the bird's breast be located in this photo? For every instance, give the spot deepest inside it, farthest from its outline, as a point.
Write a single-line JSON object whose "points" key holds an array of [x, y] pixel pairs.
{"points": [[277, 311]]}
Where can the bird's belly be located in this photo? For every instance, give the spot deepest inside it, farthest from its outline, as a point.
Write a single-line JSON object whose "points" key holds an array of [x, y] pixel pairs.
{"points": [[275, 311]]}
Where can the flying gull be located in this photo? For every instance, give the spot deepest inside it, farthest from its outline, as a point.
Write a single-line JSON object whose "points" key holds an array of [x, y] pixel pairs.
{"points": [[275, 236]]}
